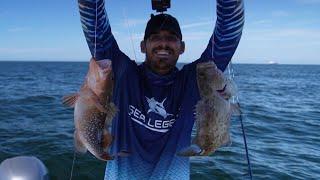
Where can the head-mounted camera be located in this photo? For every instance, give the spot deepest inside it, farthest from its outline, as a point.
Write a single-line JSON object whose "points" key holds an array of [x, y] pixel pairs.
{"points": [[160, 5]]}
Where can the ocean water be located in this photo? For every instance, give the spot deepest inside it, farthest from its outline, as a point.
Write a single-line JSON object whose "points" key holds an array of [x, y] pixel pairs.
{"points": [[281, 106]]}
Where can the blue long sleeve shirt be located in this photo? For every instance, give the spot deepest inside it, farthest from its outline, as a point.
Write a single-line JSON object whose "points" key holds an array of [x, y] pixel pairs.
{"points": [[156, 113]]}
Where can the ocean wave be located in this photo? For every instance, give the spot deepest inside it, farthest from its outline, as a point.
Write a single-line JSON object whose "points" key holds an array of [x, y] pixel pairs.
{"points": [[30, 99]]}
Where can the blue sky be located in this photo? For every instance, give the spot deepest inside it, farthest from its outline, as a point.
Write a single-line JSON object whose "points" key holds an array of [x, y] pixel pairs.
{"points": [[286, 31]]}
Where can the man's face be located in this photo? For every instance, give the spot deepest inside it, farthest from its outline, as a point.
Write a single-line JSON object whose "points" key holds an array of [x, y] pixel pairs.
{"points": [[162, 51]]}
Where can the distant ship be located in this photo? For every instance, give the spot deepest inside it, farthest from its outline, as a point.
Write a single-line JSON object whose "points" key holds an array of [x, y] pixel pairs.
{"points": [[272, 62]]}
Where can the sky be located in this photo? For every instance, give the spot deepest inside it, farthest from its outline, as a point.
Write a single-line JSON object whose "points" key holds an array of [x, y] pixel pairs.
{"points": [[284, 31]]}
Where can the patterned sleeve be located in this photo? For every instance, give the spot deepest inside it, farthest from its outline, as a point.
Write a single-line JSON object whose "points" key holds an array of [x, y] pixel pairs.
{"points": [[227, 33], [97, 30]]}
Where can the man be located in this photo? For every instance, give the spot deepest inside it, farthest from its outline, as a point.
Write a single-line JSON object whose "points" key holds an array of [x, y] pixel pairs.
{"points": [[156, 100]]}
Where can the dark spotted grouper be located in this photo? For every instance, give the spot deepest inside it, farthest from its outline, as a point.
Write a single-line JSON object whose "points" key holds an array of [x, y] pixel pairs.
{"points": [[93, 110], [213, 111]]}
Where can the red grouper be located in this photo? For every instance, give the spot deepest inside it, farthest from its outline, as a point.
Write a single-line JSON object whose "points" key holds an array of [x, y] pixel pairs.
{"points": [[213, 111], [93, 110]]}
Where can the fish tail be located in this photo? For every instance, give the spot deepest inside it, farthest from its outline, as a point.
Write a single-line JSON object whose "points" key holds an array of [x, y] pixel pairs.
{"points": [[106, 157], [123, 154], [193, 150]]}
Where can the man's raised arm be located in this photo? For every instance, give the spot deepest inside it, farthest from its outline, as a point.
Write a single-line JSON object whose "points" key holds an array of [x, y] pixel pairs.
{"points": [[227, 33], [97, 30]]}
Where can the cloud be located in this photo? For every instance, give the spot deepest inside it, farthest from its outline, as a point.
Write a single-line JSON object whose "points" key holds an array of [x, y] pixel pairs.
{"points": [[125, 36], [46, 53], [133, 22], [2, 13], [198, 24], [288, 33], [28, 50], [137, 22], [309, 1], [19, 29], [200, 35], [263, 23], [280, 13], [136, 37], [285, 45]]}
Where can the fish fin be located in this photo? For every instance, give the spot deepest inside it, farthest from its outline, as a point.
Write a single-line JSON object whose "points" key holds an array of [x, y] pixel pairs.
{"points": [[97, 102], [106, 140], [193, 150], [104, 63], [112, 111], [123, 154], [79, 146], [226, 140], [100, 107], [106, 157], [228, 143], [70, 100], [235, 109]]}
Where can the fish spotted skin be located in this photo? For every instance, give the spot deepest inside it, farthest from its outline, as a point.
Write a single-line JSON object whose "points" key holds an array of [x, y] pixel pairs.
{"points": [[213, 112], [213, 120], [209, 79], [93, 110]]}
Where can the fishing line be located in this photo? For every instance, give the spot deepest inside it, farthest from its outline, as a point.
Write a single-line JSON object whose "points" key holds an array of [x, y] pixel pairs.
{"points": [[236, 100], [130, 34], [73, 161], [94, 55], [245, 143], [95, 31]]}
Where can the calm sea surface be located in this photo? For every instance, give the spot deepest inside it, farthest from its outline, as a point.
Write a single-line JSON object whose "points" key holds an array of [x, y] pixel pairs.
{"points": [[281, 105]]}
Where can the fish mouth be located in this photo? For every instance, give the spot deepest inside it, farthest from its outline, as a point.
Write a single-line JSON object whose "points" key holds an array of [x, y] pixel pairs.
{"points": [[206, 66], [104, 64]]}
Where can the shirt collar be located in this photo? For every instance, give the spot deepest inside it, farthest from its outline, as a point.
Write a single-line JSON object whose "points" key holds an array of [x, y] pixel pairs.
{"points": [[156, 79]]}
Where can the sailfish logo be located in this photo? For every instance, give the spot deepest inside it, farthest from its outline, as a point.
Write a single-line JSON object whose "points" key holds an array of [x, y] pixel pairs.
{"points": [[157, 107]]}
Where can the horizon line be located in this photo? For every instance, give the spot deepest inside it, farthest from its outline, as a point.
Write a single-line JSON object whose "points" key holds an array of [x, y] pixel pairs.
{"points": [[81, 61]]}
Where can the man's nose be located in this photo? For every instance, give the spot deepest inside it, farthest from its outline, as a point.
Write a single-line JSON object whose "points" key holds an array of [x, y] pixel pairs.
{"points": [[163, 42]]}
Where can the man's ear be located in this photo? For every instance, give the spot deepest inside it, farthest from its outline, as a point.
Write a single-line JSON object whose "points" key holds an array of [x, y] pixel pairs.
{"points": [[183, 46], [143, 46]]}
